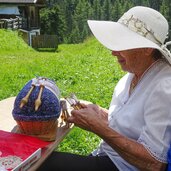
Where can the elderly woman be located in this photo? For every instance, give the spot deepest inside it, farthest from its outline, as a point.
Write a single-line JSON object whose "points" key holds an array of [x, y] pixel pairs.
{"points": [[137, 132]]}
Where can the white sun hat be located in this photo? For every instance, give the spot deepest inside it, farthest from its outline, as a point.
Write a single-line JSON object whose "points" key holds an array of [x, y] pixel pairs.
{"points": [[139, 27]]}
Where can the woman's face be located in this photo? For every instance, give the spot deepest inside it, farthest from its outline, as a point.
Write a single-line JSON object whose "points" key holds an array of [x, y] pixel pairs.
{"points": [[134, 60]]}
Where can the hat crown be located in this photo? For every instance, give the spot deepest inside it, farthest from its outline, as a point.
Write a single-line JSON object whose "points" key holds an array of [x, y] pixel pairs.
{"points": [[155, 21]]}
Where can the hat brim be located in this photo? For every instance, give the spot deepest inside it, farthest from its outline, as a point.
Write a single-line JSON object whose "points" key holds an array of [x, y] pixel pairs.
{"points": [[118, 37]]}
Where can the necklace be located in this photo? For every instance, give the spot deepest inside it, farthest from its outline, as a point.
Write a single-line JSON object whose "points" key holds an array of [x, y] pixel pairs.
{"points": [[133, 85]]}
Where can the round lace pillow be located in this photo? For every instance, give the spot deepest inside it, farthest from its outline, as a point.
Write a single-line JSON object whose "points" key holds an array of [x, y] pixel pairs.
{"points": [[37, 106]]}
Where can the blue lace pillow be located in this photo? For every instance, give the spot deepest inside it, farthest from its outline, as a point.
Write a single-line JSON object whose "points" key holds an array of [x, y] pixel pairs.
{"points": [[37, 101]]}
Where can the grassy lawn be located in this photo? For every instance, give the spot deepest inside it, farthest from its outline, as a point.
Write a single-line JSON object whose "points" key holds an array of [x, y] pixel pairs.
{"points": [[88, 69]]}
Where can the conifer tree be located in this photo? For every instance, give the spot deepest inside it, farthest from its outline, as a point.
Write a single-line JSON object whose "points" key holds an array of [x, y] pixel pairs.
{"points": [[106, 10], [165, 9], [146, 3], [155, 4], [116, 10], [68, 18], [96, 9]]}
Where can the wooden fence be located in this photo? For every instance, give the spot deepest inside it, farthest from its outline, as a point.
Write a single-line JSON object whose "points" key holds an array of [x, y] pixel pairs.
{"points": [[13, 23], [45, 41]]}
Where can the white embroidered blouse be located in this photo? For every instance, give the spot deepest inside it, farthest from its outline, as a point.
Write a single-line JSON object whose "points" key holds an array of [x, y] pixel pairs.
{"points": [[144, 116]]}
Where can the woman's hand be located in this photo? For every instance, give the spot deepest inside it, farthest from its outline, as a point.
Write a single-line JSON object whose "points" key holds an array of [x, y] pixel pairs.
{"points": [[91, 117]]}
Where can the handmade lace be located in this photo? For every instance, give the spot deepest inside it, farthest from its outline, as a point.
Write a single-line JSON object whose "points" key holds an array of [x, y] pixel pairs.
{"points": [[9, 162]]}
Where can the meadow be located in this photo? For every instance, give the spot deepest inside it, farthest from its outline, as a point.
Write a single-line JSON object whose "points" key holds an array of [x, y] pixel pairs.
{"points": [[87, 69]]}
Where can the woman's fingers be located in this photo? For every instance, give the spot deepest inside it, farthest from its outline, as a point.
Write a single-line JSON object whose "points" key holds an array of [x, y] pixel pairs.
{"points": [[70, 119]]}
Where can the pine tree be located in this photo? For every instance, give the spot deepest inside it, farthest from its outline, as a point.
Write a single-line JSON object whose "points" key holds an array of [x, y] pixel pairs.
{"points": [[116, 10], [68, 18], [45, 23], [155, 4], [139, 2], [78, 20], [165, 9], [96, 9], [75, 34], [146, 3], [106, 10], [129, 4]]}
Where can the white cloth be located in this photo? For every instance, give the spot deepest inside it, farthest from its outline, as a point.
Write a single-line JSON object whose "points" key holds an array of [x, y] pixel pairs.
{"points": [[144, 116]]}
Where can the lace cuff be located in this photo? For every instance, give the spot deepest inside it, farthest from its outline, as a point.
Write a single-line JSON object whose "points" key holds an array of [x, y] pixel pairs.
{"points": [[162, 157]]}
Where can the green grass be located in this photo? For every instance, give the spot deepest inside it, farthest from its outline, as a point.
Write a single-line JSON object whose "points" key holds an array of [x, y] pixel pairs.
{"points": [[10, 41], [88, 69]]}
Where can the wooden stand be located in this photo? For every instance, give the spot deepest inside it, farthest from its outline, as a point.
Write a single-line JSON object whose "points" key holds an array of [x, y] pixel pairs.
{"points": [[7, 123]]}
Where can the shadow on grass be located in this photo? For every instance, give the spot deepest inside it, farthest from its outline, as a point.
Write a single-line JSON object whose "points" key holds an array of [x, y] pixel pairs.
{"points": [[46, 49]]}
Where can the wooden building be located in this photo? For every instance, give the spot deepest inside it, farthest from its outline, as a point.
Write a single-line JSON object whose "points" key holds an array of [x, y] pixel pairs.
{"points": [[27, 10], [23, 15]]}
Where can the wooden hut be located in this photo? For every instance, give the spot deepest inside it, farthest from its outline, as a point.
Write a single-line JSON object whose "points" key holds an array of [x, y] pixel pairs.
{"points": [[27, 10], [23, 15]]}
